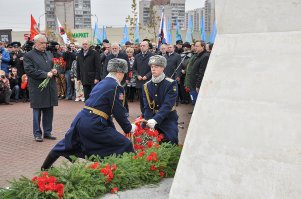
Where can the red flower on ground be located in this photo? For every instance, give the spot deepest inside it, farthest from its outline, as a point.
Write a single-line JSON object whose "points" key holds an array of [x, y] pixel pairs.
{"points": [[47, 183], [153, 168], [114, 190], [95, 165], [140, 154], [162, 174], [149, 144], [152, 157]]}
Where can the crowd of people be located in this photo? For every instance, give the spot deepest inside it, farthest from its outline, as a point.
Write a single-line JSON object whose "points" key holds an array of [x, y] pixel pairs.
{"points": [[78, 75], [85, 65], [105, 78]]}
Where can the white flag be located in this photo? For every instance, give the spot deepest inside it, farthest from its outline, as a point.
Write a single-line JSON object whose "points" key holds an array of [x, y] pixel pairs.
{"points": [[62, 32]]}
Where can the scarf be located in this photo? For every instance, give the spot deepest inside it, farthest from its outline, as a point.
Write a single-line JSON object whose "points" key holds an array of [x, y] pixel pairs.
{"points": [[158, 79]]}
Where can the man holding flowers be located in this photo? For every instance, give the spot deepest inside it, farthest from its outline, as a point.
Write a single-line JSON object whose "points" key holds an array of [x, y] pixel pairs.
{"points": [[92, 132], [159, 98], [38, 67]]}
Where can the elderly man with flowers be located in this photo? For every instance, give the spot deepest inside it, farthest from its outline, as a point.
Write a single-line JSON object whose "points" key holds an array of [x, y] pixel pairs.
{"points": [[159, 96], [92, 132]]}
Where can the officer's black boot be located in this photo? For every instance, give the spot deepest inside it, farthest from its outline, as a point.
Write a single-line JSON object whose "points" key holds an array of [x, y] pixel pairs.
{"points": [[50, 159]]}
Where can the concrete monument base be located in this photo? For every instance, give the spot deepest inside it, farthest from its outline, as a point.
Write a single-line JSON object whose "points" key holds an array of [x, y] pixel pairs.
{"points": [[244, 137]]}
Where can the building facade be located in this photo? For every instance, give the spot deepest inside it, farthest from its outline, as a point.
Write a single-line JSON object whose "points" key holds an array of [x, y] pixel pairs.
{"points": [[173, 10], [78, 17], [195, 15], [207, 12]]}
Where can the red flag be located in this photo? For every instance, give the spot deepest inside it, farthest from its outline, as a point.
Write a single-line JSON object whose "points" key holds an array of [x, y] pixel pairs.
{"points": [[34, 30]]}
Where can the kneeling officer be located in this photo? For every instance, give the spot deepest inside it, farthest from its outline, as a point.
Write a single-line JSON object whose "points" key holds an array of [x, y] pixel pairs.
{"points": [[92, 132]]}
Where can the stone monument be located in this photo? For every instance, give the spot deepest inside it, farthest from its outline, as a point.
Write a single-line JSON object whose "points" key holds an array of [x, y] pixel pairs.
{"points": [[244, 138]]}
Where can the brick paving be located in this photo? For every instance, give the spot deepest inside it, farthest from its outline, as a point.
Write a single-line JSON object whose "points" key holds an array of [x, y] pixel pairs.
{"points": [[21, 155]]}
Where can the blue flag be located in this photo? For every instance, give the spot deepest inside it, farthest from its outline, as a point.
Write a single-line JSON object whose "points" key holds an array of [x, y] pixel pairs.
{"points": [[136, 34], [213, 33], [202, 30], [126, 36], [97, 34], [189, 30], [178, 35], [104, 33], [169, 35]]}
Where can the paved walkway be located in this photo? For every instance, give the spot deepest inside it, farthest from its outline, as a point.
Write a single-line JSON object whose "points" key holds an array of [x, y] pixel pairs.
{"points": [[21, 155]]}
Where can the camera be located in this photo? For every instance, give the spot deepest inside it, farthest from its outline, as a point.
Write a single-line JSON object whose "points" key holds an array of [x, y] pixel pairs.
{"points": [[2, 76]]}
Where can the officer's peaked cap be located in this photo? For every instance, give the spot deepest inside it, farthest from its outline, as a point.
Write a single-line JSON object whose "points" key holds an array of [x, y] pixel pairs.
{"points": [[117, 65], [157, 60]]}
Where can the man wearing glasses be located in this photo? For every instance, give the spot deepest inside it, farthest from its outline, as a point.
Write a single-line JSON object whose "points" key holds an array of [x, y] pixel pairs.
{"points": [[38, 67]]}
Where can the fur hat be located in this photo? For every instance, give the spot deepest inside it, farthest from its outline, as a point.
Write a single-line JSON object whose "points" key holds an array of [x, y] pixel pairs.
{"points": [[117, 65], [157, 60]]}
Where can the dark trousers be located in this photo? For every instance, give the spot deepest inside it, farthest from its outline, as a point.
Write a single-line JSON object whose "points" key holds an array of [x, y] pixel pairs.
{"points": [[54, 155], [87, 90], [69, 92], [46, 121], [141, 100]]}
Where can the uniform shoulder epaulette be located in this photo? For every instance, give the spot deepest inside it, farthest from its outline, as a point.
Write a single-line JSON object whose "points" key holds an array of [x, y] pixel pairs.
{"points": [[169, 79], [148, 82]]}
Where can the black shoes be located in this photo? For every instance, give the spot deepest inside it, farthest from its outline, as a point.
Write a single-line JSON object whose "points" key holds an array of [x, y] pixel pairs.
{"points": [[38, 139], [50, 137]]}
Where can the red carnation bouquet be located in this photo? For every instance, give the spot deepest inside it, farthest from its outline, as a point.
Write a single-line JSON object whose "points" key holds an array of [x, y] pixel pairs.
{"points": [[144, 138], [57, 63]]}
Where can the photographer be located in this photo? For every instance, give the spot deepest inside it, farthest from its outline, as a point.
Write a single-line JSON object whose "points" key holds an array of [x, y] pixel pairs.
{"points": [[5, 91], [14, 82]]}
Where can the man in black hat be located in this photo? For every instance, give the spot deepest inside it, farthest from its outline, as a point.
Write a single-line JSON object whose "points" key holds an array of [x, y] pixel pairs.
{"points": [[16, 59], [92, 132], [179, 46], [185, 56]]}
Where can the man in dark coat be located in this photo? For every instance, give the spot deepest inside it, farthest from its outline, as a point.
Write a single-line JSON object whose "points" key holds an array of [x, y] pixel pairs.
{"points": [[142, 69], [38, 67], [172, 69], [88, 68], [92, 132], [106, 51], [159, 96], [69, 56], [198, 69], [115, 53], [17, 59]]}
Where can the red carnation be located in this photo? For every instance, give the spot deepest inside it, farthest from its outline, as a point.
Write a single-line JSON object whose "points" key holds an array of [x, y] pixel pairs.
{"points": [[114, 190], [95, 165], [153, 168], [149, 144], [140, 154], [161, 174]]}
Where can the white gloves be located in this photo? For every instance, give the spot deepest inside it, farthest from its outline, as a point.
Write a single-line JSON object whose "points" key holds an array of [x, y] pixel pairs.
{"points": [[133, 128], [151, 123]]}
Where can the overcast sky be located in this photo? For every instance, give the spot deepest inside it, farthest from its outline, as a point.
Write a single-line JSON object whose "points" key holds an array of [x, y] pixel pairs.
{"points": [[15, 14]]}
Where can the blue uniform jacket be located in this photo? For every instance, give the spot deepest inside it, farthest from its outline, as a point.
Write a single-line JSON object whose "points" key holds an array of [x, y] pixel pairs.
{"points": [[91, 134], [164, 95]]}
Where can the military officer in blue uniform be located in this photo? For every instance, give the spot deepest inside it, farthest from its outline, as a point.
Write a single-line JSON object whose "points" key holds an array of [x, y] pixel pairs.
{"points": [[159, 96], [92, 132]]}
